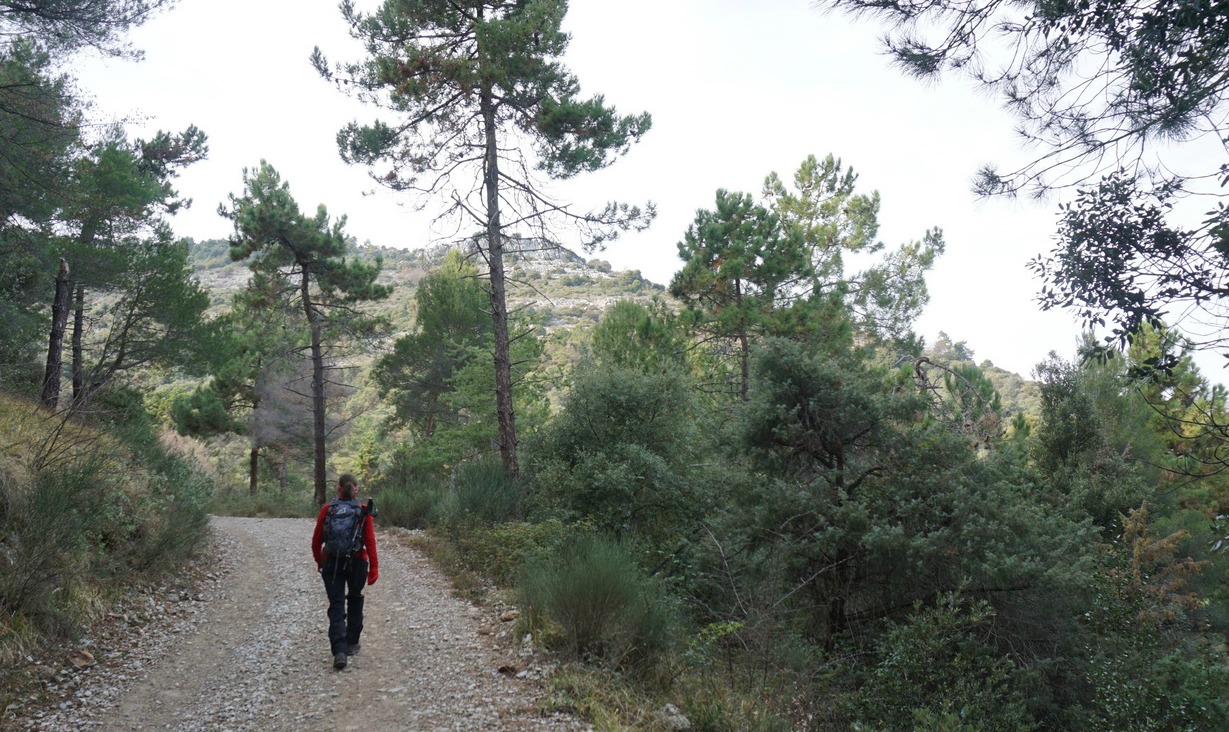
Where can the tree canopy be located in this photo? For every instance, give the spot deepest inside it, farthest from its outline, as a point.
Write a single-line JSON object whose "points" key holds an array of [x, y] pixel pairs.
{"points": [[1107, 92]]}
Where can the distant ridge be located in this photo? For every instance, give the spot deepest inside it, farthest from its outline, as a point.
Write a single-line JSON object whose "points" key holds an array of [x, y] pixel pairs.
{"points": [[527, 252]]}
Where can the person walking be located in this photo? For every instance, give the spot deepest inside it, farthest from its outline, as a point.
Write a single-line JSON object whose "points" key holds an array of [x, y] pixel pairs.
{"points": [[344, 547]]}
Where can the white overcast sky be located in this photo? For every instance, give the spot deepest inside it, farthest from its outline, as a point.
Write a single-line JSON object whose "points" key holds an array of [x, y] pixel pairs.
{"points": [[737, 88]]}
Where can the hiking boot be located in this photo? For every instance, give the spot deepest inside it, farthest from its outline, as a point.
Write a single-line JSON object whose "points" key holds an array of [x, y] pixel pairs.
{"points": [[353, 649], [339, 661]]}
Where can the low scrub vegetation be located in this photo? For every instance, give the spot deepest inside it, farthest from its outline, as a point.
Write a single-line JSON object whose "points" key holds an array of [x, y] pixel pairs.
{"points": [[844, 551], [84, 508]]}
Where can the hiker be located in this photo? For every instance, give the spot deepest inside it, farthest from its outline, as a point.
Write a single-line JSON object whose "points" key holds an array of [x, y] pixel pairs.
{"points": [[344, 546]]}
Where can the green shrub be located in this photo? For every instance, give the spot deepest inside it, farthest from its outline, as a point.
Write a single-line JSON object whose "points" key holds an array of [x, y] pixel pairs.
{"points": [[481, 493], [936, 670], [413, 506], [619, 454], [477, 493], [172, 505], [266, 504], [1142, 674], [499, 552], [52, 532], [594, 603], [83, 509]]}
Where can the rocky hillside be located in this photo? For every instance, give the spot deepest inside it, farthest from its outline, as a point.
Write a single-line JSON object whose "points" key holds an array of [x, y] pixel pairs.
{"points": [[556, 289], [551, 284]]}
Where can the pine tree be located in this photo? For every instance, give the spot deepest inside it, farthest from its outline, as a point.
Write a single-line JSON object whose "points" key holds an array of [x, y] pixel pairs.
{"points": [[739, 264], [310, 252], [473, 84]]}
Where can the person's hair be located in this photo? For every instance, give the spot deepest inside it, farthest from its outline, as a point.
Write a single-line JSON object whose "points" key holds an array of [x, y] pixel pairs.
{"points": [[347, 485]]}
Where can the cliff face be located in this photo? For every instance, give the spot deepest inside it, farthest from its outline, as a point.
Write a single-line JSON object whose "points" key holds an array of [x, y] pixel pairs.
{"points": [[519, 252]]}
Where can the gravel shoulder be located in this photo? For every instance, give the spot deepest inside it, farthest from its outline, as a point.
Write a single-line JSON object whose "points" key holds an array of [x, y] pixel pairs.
{"points": [[246, 649]]}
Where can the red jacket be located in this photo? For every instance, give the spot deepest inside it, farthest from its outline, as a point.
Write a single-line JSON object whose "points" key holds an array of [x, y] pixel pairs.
{"points": [[367, 552]]}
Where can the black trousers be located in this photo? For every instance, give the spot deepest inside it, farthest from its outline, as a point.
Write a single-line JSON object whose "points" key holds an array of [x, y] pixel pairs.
{"points": [[344, 581]]}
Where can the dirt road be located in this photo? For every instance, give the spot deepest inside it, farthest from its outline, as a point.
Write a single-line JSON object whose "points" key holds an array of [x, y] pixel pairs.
{"points": [[254, 655]]}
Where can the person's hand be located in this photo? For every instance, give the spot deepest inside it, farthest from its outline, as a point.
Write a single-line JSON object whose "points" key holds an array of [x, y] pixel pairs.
{"points": [[372, 576]]}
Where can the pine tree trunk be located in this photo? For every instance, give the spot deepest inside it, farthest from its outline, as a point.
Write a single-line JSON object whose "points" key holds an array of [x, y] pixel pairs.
{"points": [[313, 318], [55, 347], [744, 347], [78, 327], [253, 469], [504, 412], [744, 359]]}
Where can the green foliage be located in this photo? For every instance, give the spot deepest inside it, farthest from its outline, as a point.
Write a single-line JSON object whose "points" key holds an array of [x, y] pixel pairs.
{"points": [[208, 254], [69, 25], [481, 493], [267, 219], [311, 250], [1187, 412], [777, 268], [886, 297], [267, 504], [97, 511], [452, 332], [476, 495], [38, 119], [500, 552], [1095, 85], [963, 399], [129, 277], [39, 115], [255, 349], [412, 505], [939, 664], [23, 268], [483, 73], [741, 263], [632, 335], [599, 604], [617, 455], [1116, 236], [509, 52], [51, 529], [1142, 671], [1094, 443], [201, 413], [155, 318], [856, 509]]}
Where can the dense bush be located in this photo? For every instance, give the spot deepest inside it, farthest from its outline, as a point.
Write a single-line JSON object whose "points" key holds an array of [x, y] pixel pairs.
{"points": [[412, 506], [499, 552], [941, 662], [82, 506], [618, 455], [481, 493], [593, 602], [58, 531], [477, 493], [265, 504]]}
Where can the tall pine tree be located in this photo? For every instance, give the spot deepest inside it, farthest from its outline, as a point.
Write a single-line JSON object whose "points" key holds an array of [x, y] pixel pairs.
{"points": [[473, 83], [310, 252]]}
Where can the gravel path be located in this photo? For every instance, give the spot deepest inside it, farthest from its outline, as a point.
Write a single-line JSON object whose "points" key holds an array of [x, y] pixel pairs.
{"points": [[248, 651]]}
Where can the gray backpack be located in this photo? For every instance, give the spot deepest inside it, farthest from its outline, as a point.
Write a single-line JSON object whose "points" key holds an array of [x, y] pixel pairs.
{"points": [[343, 528]]}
